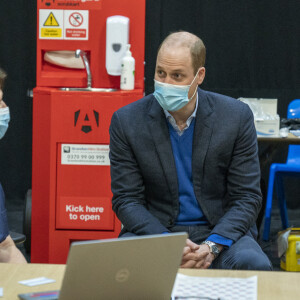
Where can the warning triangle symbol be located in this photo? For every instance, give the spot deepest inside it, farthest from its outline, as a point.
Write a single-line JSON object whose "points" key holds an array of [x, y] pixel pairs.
{"points": [[51, 21]]}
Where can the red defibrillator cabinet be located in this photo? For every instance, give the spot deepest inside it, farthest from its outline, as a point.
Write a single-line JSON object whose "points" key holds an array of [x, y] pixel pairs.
{"points": [[71, 194]]}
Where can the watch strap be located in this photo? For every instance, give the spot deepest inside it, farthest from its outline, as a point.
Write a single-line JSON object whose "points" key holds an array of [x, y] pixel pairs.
{"points": [[213, 247]]}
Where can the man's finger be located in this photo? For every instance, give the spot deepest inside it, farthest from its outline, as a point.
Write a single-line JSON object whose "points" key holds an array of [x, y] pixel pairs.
{"points": [[202, 254], [188, 264], [199, 264], [207, 265], [190, 256], [192, 245], [186, 250], [203, 264]]}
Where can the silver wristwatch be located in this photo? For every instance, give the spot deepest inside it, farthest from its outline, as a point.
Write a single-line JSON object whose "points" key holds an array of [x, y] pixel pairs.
{"points": [[213, 248]]}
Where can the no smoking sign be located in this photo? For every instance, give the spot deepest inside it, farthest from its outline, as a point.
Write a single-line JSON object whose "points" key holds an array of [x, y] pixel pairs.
{"points": [[76, 24], [76, 19]]}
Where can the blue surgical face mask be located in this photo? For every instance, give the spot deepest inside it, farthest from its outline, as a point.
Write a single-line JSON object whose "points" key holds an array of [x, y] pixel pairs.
{"points": [[172, 97], [4, 120]]}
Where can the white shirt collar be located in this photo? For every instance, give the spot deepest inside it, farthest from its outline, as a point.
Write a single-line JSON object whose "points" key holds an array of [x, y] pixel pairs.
{"points": [[172, 121]]}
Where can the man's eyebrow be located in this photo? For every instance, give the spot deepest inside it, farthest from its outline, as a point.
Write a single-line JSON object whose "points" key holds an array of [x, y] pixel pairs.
{"points": [[176, 70], [179, 71]]}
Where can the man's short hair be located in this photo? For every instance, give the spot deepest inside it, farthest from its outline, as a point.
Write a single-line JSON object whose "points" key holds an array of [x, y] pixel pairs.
{"points": [[2, 78], [191, 41]]}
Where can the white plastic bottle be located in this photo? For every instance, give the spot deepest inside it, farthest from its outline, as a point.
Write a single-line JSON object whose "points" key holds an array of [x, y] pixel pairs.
{"points": [[127, 70]]}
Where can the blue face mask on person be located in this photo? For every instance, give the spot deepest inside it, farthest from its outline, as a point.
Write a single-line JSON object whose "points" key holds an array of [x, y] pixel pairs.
{"points": [[172, 97], [4, 120]]}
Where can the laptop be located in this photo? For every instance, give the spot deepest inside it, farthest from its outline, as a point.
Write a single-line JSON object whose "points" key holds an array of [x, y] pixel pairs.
{"points": [[141, 267]]}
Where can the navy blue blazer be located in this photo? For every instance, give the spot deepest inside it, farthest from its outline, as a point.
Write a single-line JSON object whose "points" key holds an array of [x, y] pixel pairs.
{"points": [[225, 166]]}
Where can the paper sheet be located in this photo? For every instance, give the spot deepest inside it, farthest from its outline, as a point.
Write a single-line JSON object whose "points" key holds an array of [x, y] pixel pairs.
{"points": [[214, 288], [36, 281]]}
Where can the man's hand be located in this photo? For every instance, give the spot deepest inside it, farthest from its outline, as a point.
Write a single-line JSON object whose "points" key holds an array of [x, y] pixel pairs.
{"points": [[208, 259], [196, 256]]}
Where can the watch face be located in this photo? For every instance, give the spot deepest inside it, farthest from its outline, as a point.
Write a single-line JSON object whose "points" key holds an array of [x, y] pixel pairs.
{"points": [[215, 250]]}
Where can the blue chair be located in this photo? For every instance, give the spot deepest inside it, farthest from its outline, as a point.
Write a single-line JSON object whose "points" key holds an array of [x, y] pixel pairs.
{"points": [[277, 171]]}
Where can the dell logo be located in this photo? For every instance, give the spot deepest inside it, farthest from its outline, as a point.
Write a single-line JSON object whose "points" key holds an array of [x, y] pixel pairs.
{"points": [[122, 275]]}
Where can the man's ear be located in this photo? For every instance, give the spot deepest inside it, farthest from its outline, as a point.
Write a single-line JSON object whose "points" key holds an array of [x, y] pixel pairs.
{"points": [[201, 75]]}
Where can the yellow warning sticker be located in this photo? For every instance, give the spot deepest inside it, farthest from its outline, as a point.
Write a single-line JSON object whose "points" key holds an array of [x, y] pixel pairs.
{"points": [[51, 24], [51, 20], [51, 32]]}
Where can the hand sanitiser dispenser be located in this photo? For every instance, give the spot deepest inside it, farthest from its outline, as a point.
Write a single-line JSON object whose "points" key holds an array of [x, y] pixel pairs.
{"points": [[117, 36], [128, 70]]}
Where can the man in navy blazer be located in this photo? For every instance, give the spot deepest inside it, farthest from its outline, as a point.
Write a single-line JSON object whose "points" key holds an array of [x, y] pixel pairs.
{"points": [[184, 159]]}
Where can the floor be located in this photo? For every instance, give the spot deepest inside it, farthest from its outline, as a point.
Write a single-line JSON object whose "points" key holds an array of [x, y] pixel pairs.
{"points": [[15, 211]]}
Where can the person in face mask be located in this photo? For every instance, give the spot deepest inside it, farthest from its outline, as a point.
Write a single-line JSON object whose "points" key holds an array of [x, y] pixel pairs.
{"points": [[184, 159], [9, 253], [4, 110]]}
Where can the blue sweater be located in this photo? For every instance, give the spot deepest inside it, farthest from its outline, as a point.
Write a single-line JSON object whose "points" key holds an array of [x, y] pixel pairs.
{"points": [[190, 212]]}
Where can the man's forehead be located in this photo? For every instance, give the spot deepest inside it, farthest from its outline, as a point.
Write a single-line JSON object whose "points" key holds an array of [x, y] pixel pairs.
{"points": [[175, 49], [174, 56]]}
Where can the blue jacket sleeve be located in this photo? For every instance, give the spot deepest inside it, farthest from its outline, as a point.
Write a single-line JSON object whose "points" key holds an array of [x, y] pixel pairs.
{"points": [[218, 239]]}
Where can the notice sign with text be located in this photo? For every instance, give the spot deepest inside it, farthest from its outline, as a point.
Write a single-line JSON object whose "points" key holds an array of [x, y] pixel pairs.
{"points": [[76, 24], [63, 24], [51, 24], [85, 154], [91, 213]]}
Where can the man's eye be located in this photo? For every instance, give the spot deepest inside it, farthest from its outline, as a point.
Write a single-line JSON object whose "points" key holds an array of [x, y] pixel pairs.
{"points": [[160, 73], [177, 76]]}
